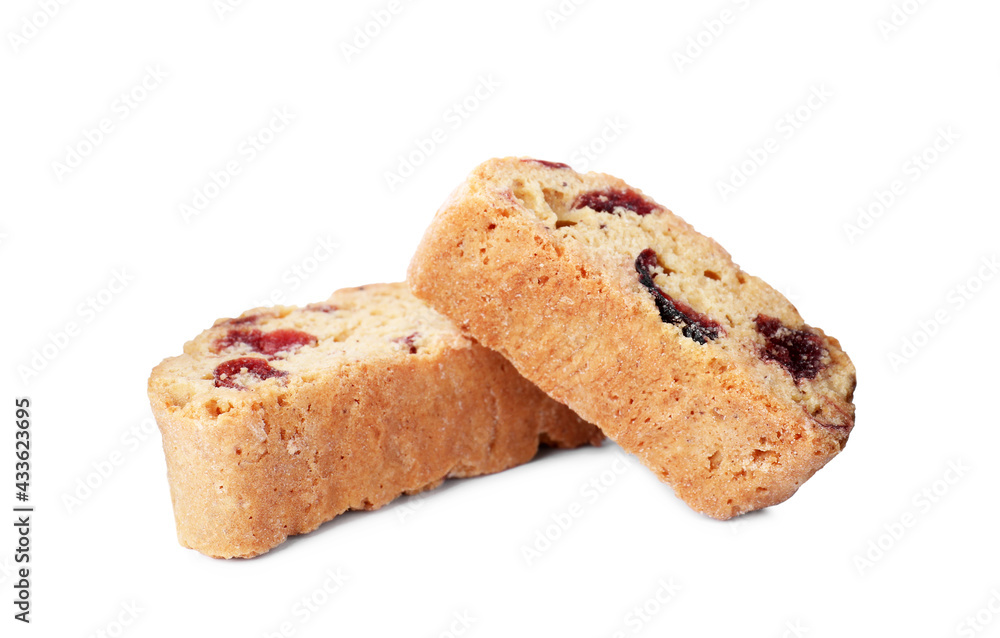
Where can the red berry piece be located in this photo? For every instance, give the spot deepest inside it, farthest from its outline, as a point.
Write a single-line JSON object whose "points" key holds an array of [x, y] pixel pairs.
{"points": [[226, 372], [612, 199], [547, 164], [249, 336], [281, 340], [800, 352], [269, 343]]}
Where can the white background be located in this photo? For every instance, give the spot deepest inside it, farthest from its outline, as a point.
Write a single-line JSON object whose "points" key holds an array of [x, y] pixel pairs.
{"points": [[826, 563]]}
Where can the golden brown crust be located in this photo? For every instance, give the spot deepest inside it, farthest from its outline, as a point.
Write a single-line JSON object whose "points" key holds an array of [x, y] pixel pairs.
{"points": [[712, 421], [248, 468]]}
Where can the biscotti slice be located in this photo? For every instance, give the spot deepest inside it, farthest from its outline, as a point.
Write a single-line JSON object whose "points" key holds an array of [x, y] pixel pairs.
{"points": [[283, 418], [618, 308]]}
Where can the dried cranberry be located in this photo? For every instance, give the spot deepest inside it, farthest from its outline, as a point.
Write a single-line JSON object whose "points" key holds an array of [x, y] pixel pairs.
{"points": [[610, 199], [250, 337], [547, 164], [286, 339], [800, 352], [226, 372], [268, 343], [695, 325]]}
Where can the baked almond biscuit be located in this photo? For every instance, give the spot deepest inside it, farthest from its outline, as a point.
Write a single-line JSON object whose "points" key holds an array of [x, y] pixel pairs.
{"points": [[283, 418], [618, 308]]}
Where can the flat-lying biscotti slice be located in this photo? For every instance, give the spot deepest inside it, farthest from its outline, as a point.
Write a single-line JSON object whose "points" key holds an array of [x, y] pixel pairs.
{"points": [[619, 309], [283, 418]]}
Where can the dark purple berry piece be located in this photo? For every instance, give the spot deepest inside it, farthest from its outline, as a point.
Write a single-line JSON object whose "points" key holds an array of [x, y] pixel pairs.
{"points": [[607, 200], [226, 372], [800, 352], [694, 325]]}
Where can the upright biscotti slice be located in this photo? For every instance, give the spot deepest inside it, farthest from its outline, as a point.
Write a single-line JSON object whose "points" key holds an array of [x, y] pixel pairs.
{"points": [[283, 418], [619, 309]]}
